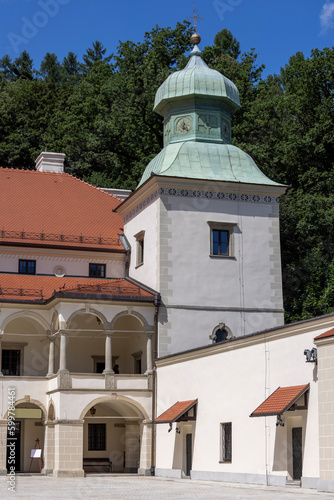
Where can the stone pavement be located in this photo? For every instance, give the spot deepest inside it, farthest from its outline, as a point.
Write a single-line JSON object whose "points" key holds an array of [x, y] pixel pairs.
{"points": [[124, 487]]}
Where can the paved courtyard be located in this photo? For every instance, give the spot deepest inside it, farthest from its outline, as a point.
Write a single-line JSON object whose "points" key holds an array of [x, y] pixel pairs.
{"points": [[145, 488]]}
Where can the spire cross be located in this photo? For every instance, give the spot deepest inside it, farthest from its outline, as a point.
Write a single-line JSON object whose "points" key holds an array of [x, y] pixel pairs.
{"points": [[195, 17]]}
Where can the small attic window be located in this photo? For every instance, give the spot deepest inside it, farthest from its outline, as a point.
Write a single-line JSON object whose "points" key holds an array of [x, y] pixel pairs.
{"points": [[220, 333], [97, 270], [27, 266]]}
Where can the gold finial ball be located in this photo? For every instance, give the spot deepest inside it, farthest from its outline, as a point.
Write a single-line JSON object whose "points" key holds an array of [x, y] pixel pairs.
{"points": [[195, 39]]}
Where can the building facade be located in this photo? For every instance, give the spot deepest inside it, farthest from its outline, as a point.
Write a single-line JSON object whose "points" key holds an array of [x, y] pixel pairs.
{"points": [[144, 332]]}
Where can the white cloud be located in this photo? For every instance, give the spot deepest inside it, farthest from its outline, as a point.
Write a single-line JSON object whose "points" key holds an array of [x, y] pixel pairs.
{"points": [[327, 17]]}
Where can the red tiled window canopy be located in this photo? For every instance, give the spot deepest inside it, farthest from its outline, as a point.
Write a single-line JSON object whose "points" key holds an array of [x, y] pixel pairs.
{"points": [[281, 401], [329, 333], [179, 411]]}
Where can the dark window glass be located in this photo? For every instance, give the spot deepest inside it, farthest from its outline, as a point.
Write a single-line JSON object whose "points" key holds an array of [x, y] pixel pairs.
{"points": [[97, 270], [140, 252], [10, 362], [227, 442], [100, 366], [221, 335], [27, 266], [220, 240], [96, 437], [137, 365]]}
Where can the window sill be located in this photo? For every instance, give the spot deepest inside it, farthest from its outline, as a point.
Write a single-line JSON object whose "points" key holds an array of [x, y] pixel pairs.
{"points": [[231, 257], [139, 265], [225, 461]]}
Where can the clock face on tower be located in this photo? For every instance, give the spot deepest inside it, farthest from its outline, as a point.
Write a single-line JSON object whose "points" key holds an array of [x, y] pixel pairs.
{"points": [[183, 125]]}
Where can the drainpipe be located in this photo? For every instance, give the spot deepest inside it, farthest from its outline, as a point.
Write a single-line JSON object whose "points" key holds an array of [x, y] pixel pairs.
{"points": [[157, 301]]}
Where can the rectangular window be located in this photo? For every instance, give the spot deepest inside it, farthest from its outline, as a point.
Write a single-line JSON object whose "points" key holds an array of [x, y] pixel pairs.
{"points": [[96, 437], [11, 362], [27, 266], [226, 442], [140, 248], [220, 242], [221, 239], [97, 270]]}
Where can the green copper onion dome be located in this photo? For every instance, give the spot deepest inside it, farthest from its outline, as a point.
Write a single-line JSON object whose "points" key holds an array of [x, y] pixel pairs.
{"points": [[197, 79], [200, 160], [197, 104]]}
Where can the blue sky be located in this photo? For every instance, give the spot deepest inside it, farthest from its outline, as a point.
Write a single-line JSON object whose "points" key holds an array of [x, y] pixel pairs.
{"points": [[276, 29]]}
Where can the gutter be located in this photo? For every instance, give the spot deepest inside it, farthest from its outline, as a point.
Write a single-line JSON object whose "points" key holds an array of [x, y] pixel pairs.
{"points": [[157, 302]]}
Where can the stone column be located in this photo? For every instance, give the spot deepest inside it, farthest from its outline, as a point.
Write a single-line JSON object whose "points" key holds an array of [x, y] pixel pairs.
{"points": [[108, 353], [149, 353], [51, 369], [63, 341], [64, 379], [110, 383]]}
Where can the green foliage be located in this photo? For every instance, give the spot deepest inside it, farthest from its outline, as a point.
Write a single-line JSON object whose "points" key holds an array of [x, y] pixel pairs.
{"points": [[99, 112]]}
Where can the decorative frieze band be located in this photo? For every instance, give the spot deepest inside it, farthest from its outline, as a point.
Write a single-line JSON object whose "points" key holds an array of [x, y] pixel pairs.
{"points": [[193, 193], [141, 206]]}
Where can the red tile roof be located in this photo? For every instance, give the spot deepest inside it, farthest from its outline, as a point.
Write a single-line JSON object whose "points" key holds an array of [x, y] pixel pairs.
{"points": [[56, 209], [176, 411], [23, 287], [329, 333], [280, 400]]}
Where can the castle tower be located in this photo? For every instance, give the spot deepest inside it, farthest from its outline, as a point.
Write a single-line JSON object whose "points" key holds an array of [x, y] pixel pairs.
{"points": [[203, 223]]}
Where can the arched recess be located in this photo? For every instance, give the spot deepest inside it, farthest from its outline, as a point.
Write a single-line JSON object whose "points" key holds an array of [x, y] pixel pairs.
{"points": [[88, 311], [28, 404], [29, 433], [113, 426], [136, 314], [129, 342], [24, 345], [25, 315], [141, 412]]}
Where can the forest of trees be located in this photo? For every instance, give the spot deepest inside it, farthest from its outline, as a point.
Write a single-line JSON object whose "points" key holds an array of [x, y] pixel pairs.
{"points": [[99, 112]]}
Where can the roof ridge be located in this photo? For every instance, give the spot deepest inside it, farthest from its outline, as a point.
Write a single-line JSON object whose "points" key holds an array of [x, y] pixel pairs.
{"points": [[72, 176], [95, 187]]}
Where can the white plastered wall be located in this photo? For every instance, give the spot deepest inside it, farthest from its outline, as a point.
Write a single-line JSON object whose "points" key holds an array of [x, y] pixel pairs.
{"points": [[47, 261], [229, 386]]}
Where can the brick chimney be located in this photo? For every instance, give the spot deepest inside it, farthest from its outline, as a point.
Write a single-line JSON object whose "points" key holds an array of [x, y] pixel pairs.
{"points": [[50, 162]]}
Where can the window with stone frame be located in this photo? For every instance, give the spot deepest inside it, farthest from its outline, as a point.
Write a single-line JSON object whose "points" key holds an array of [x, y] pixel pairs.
{"points": [[140, 248], [221, 239], [220, 333]]}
